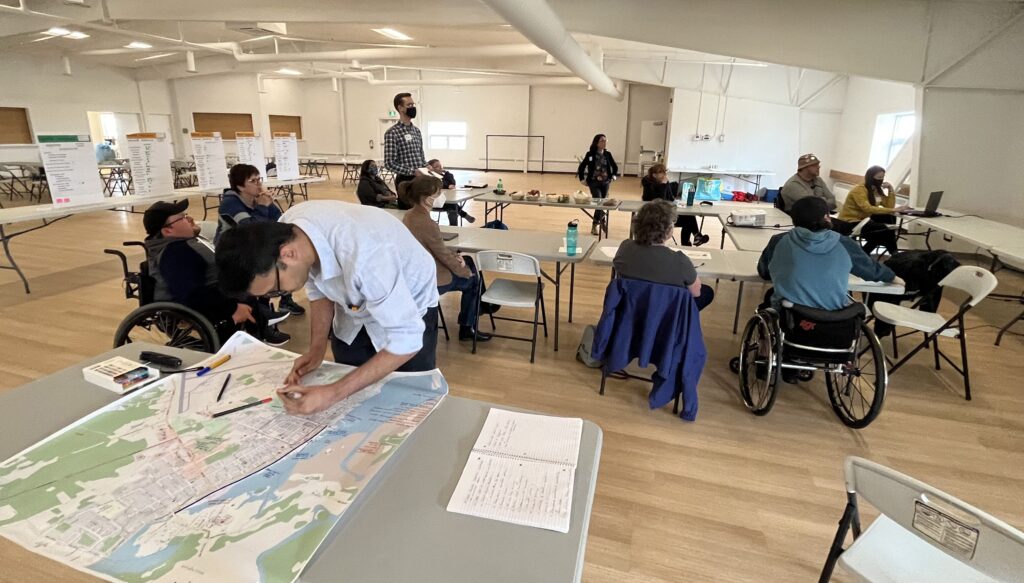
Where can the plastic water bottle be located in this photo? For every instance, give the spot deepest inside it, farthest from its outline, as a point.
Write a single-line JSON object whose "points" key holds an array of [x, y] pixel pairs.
{"points": [[689, 190], [571, 237], [500, 186]]}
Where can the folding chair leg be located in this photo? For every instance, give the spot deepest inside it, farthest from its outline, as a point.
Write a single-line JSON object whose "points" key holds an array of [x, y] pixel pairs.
{"points": [[935, 349], [533, 340], [443, 325], [895, 344], [544, 313], [963, 359], [849, 517], [604, 377]]}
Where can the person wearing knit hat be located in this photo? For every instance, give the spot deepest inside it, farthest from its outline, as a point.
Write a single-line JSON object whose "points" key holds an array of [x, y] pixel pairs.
{"points": [[811, 264], [807, 182]]}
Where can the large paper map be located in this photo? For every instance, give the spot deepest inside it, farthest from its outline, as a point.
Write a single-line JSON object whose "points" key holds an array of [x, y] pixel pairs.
{"points": [[151, 488]]}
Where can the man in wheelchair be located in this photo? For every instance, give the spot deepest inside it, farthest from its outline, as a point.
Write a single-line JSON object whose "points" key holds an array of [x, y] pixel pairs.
{"points": [[184, 271]]}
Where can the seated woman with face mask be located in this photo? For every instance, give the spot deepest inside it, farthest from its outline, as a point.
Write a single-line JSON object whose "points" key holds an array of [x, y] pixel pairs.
{"points": [[372, 190]]}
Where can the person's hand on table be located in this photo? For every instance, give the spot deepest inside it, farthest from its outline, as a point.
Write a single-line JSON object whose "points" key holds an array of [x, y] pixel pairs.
{"points": [[462, 260], [451, 187], [902, 208], [243, 313], [304, 365], [300, 400], [899, 281]]}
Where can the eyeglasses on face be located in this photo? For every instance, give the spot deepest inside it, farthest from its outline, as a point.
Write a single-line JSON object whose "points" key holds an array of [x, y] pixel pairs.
{"points": [[255, 180], [276, 292], [181, 218]]}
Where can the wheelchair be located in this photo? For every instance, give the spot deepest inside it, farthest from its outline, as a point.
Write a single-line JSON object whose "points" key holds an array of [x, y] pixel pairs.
{"points": [[804, 340], [162, 323]]}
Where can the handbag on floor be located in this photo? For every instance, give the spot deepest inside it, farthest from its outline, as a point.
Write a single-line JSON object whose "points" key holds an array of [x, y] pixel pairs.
{"points": [[583, 350]]}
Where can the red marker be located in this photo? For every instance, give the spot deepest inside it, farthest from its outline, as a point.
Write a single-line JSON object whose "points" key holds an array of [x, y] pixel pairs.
{"points": [[242, 407]]}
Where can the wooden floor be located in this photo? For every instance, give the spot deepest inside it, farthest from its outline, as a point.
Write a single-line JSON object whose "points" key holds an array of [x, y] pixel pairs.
{"points": [[730, 497]]}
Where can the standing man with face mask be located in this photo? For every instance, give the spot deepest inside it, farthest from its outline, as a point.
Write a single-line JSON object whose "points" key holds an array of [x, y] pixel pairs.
{"points": [[403, 144]]}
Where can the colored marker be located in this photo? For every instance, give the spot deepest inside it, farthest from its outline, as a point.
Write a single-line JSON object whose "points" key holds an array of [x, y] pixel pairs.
{"points": [[213, 365], [242, 407], [226, 381]]}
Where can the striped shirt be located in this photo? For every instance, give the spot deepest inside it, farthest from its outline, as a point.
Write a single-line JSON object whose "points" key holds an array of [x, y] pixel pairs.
{"points": [[403, 149]]}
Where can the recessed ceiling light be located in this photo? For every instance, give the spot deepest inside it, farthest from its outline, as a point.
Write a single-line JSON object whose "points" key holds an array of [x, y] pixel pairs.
{"points": [[287, 71], [77, 35], [58, 31], [392, 33], [151, 57], [138, 45]]}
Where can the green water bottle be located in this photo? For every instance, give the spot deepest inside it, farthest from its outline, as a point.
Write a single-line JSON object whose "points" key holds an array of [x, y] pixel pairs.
{"points": [[571, 237], [501, 188]]}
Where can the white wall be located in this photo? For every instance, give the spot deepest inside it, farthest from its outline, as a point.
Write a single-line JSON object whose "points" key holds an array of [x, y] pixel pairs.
{"points": [[569, 117], [971, 147], [866, 99]]}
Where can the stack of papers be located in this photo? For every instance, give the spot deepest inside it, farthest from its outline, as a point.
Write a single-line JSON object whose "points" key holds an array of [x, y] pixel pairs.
{"points": [[521, 470]]}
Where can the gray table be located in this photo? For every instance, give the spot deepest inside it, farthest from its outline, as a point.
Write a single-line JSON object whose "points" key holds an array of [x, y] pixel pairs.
{"points": [[398, 530], [497, 203], [720, 209], [751, 238]]}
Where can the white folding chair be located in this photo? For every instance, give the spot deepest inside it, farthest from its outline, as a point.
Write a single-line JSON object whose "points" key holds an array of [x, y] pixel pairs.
{"points": [[976, 282], [921, 534], [511, 292]]}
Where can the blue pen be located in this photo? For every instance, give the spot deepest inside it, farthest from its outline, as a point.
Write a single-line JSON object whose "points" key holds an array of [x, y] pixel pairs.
{"points": [[213, 365]]}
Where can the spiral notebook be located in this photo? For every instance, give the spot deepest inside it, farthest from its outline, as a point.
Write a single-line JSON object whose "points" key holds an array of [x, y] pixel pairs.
{"points": [[521, 470]]}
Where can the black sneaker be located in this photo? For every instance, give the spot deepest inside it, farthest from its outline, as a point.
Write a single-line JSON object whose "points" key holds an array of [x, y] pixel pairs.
{"points": [[277, 316], [288, 305], [469, 218], [275, 337], [466, 333], [698, 241]]}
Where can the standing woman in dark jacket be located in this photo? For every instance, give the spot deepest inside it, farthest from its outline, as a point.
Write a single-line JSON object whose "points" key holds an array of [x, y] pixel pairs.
{"points": [[656, 186], [372, 190], [597, 170]]}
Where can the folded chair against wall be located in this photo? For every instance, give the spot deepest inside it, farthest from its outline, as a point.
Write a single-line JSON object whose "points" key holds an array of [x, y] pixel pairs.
{"points": [[921, 534], [513, 293], [977, 283]]}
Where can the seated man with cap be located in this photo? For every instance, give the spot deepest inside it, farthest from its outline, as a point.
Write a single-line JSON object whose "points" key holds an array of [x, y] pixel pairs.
{"points": [[184, 270], [807, 182]]}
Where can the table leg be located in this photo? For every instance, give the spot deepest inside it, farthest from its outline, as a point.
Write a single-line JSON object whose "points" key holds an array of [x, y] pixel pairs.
{"points": [[739, 301], [14, 265], [558, 298], [572, 287]]}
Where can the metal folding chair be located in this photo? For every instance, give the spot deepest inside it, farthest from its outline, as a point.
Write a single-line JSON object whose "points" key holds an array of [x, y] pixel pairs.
{"points": [[512, 292]]}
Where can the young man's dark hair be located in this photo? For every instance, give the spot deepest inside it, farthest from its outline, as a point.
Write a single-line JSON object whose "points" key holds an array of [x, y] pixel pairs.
{"points": [[247, 251], [810, 213], [399, 98], [239, 173], [432, 161]]}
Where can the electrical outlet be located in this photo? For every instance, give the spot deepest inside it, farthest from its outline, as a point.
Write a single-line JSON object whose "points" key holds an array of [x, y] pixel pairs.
{"points": [[696, 137], [707, 137], [721, 137]]}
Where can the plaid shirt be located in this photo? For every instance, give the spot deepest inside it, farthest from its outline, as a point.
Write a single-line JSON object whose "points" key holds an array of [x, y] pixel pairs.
{"points": [[403, 149]]}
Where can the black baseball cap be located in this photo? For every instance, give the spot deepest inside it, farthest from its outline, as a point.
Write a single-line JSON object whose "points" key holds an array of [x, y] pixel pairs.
{"points": [[808, 212], [156, 216]]}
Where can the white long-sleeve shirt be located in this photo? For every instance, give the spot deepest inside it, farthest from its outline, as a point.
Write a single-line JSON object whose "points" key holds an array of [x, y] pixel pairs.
{"points": [[372, 268]]}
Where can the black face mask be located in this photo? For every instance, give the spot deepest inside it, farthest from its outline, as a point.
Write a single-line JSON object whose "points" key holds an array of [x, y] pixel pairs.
{"points": [[876, 183], [411, 112]]}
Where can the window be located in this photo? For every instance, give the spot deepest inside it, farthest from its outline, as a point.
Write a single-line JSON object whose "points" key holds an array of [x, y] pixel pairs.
{"points": [[14, 127], [892, 131], [286, 124], [447, 135], [225, 123]]}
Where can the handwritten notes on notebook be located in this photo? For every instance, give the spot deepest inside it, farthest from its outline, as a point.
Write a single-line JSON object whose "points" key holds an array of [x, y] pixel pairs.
{"points": [[521, 470]]}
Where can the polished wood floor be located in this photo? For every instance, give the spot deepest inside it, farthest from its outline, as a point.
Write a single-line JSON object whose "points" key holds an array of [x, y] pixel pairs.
{"points": [[730, 497]]}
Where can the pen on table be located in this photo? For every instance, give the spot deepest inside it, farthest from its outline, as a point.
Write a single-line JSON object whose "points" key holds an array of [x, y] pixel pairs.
{"points": [[213, 365], [224, 386], [242, 407]]}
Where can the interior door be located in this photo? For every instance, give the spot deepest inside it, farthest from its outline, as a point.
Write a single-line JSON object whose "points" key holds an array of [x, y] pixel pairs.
{"points": [[377, 148]]}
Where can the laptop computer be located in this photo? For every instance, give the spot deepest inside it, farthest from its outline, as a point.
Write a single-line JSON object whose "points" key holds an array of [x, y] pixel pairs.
{"points": [[930, 209]]}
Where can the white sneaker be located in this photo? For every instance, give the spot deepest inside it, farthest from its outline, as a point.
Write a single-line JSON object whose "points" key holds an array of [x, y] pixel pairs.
{"points": [[278, 317]]}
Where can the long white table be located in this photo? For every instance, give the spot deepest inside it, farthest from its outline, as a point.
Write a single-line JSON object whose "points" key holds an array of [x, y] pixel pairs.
{"points": [[50, 214], [684, 173], [397, 530], [720, 209], [739, 266], [497, 203], [285, 191]]}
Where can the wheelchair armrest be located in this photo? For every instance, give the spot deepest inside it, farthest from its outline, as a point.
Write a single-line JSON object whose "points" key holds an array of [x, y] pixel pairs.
{"points": [[122, 257]]}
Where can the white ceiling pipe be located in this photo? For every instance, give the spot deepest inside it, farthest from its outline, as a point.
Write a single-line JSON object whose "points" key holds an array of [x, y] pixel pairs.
{"points": [[368, 77], [535, 20], [516, 50]]}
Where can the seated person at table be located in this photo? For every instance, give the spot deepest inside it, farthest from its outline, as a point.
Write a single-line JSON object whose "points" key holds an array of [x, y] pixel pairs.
{"points": [[656, 186], [448, 183], [454, 272], [372, 190], [184, 270], [807, 182], [868, 200], [248, 201], [646, 257], [811, 264]]}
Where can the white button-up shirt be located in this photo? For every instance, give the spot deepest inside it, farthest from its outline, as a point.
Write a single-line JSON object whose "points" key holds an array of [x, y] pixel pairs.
{"points": [[372, 268]]}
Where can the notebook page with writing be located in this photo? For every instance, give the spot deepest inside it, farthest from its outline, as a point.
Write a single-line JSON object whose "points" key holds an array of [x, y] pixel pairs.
{"points": [[522, 470]]}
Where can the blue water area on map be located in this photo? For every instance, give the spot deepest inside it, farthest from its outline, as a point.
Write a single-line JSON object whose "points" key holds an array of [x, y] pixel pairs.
{"points": [[261, 488]]}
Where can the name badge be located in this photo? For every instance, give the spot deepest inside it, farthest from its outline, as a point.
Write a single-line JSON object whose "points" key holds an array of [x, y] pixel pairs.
{"points": [[408, 137]]}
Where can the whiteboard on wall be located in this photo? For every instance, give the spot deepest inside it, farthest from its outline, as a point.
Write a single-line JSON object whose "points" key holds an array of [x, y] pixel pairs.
{"points": [[758, 135]]}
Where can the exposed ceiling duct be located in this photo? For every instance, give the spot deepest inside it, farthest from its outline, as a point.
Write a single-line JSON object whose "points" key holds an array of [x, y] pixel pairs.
{"points": [[494, 51], [468, 81], [535, 20]]}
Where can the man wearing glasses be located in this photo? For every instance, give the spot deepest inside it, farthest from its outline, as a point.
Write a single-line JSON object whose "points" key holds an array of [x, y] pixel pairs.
{"points": [[372, 289], [184, 269]]}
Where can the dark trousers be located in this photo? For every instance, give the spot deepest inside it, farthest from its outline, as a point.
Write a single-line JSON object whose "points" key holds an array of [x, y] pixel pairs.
{"points": [[689, 227], [842, 227], [400, 178], [470, 288], [362, 350], [599, 190], [707, 295], [877, 233], [454, 212]]}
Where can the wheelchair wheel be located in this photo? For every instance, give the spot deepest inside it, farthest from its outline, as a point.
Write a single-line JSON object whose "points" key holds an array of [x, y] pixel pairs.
{"points": [[168, 324], [857, 389], [758, 364]]}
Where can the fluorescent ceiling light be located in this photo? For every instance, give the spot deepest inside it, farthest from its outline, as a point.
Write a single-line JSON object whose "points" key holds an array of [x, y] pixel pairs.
{"points": [[158, 56], [138, 45], [392, 33], [58, 31], [287, 71], [77, 35]]}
